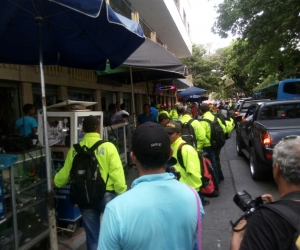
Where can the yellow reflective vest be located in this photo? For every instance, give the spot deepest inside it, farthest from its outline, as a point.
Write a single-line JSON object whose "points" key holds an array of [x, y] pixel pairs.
{"points": [[208, 115], [110, 163], [191, 175]]}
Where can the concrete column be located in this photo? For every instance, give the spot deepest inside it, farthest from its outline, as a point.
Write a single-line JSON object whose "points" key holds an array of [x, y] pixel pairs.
{"points": [[139, 106], [164, 100], [62, 93], [27, 96], [153, 36], [97, 98], [120, 97]]}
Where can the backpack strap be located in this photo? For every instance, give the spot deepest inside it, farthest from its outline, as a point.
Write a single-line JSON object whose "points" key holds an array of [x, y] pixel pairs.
{"points": [[93, 148], [206, 120], [96, 145], [190, 121], [179, 155], [77, 147], [288, 214]]}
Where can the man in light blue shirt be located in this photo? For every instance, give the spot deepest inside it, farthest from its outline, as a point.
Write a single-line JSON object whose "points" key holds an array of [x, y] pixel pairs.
{"points": [[27, 125], [158, 212]]}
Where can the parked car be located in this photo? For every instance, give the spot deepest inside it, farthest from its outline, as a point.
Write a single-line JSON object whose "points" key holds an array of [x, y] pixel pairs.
{"points": [[245, 104], [265, 123]]}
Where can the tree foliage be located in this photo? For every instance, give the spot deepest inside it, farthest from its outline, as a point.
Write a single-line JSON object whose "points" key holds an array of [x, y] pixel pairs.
{"points": [[205, 69], [269, 43]]}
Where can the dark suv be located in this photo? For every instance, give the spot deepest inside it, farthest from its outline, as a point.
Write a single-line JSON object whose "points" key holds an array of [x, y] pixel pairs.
{"points": [[245, 104]]}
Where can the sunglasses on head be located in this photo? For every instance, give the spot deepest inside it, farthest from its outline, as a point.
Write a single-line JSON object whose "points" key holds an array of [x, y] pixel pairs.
{"points": [[289, 137]]}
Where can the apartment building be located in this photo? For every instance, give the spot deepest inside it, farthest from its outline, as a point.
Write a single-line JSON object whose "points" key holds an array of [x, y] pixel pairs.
{"points": [[164, 21]]}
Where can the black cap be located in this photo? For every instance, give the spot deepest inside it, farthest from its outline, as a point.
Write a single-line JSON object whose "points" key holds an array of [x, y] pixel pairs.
{"points": [[163, 116], [151, 141], [173, 127], [90, 123]]}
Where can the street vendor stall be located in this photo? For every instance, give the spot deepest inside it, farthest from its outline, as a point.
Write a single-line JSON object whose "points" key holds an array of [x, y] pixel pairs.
{"points": [[65, 121]]}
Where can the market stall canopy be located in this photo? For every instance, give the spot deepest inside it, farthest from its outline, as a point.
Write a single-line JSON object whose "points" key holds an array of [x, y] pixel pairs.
{"points": [[77, 34], [122, 75], [194, 98], [149, 62], [192, 91], [182, 83]]}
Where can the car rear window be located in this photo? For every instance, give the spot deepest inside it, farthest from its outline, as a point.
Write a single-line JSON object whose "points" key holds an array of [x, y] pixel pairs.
{"points": [[282, 111]]}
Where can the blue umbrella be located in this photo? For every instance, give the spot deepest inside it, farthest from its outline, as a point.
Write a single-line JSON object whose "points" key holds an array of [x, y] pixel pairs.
{"points": [[192, 91], [78, 34], [81, 34], [193, 98]]}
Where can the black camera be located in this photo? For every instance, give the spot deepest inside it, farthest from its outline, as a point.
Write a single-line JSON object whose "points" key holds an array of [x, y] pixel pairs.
{"points": [[245, 202], [171, 169]]}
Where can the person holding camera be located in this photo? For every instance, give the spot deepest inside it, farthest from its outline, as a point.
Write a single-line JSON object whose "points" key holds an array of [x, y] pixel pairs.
{"points": [[270, 227]]}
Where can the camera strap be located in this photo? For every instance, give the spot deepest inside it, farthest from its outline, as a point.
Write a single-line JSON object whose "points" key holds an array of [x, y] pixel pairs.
{"points": [[289, 214]]}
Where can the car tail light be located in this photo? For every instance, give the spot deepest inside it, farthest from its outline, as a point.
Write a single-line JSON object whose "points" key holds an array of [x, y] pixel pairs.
{"points": [[269, 156], [266, 140]]}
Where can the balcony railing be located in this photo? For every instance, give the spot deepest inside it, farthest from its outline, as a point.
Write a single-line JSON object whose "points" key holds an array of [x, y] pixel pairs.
{"points": [[122, 7]]}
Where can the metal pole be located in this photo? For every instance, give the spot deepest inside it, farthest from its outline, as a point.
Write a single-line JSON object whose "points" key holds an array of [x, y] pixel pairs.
{"points": [[50, 201], [149, 102], [132, 97]]}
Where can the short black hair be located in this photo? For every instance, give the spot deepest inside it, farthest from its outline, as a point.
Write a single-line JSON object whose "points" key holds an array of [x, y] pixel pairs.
{"points": [[27, 107], [123, 106], [145, 105], [111, 106], [187, 112], [90, 124], [204, 108]]}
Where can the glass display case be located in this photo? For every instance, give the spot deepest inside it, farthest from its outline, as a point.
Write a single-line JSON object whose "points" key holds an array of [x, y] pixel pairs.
{"points": [[117, 135], [65, 127], [64, 130], [24, 190]]}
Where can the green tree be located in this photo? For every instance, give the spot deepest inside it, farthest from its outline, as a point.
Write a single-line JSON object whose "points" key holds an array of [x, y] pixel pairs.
{"points": [[269, 37], [205, 69]]}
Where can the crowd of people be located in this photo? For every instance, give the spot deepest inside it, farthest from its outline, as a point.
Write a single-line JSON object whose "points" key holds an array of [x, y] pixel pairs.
{"points": [[149, 215]]}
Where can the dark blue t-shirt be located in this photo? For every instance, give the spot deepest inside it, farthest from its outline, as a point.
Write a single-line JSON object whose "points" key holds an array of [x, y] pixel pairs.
{"points": [[142, 118]]}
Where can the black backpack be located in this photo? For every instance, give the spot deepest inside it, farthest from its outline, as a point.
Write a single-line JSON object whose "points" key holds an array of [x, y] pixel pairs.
{"points": [[217, 136], [188, 133], [210, 186], [288, 214], [87, 187]]}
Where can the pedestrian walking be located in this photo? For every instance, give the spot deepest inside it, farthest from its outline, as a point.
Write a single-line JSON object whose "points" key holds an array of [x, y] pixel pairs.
{"points": [[158, 212], [190, 171], [111, 170]]}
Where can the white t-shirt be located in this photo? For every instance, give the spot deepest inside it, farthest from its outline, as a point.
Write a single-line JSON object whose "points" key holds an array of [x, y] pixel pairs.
{"points": [[122, 112]]}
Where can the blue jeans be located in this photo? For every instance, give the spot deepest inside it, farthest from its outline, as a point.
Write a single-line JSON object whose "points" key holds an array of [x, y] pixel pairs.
{"points": [[91, 220], [211, 155]]}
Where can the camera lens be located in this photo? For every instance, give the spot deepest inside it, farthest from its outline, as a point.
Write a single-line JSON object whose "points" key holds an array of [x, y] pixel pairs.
{"points": [[243, 200]]}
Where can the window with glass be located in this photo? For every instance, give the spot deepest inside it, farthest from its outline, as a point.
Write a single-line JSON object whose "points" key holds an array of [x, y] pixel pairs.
{"points": [[281, 111]]}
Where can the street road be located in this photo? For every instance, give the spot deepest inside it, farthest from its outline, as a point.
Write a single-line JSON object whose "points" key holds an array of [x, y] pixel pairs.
{"points": [[216, 229]]}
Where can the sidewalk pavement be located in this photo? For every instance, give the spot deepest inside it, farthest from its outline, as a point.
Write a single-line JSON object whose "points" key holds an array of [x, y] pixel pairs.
{"points": [[77, 240]]}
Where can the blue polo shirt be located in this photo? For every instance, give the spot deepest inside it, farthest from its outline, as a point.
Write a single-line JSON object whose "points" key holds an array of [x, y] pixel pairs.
{"points": [[25, 124], [158, 213], [154, 112], [142, 118]]}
